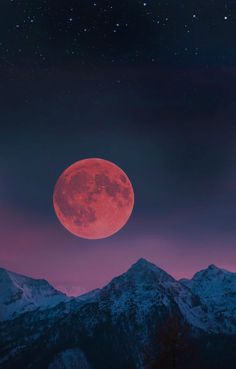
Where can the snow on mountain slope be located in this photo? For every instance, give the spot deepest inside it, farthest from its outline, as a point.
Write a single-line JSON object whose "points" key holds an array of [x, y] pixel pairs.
{"points": [[216, 289], [118, 320], [89, 296], [208, 301], [19, 294], [147, 287]]}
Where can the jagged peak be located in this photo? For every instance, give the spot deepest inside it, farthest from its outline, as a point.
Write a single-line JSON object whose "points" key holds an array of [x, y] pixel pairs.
{"points": [[22, 280], [212, 271], [213, 267], [145, 267], [140, 275], [142, 262], [9, 273], [3, 271]]}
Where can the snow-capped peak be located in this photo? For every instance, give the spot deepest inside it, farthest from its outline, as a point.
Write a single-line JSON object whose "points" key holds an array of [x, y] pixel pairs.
{"points": [[212, 267], [143, 263], [20, 293], [216, 289], [149, 288], [207, 301], [147, 270], [212, 271]]}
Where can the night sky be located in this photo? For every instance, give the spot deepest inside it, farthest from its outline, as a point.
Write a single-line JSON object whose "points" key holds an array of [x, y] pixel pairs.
{"points": [[148, 85]]}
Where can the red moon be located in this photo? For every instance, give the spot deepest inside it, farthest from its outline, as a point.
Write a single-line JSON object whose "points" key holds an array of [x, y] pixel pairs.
{"points": [[93, 198]]}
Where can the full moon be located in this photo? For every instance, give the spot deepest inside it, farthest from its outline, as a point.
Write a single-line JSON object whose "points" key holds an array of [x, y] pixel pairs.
{"points": [[93, 198]]}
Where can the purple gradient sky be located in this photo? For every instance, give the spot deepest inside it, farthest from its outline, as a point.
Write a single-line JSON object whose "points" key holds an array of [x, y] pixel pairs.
{"points": [[43, 249], [170, 126]]}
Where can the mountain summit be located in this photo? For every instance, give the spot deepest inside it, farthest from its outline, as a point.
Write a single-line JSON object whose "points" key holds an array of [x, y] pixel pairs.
{"points": [[145, 265], [206, 300], [216, 289], [144, 270], [149, 288], [112, 326], [20, 294]]}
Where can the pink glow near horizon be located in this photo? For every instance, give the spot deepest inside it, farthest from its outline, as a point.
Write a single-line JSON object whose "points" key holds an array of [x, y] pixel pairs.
{"points": [[44, 250]]}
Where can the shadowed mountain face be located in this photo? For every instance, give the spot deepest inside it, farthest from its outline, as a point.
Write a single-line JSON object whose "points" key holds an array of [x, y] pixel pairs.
{"points": [[20, 294], [216, 289], [138, 319]]}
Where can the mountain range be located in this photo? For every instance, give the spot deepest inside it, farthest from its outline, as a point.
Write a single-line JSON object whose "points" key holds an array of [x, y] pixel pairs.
{"points": [[142, 319]]}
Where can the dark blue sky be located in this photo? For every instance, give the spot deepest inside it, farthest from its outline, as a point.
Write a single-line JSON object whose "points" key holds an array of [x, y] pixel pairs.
{"points": [[148, 85]]}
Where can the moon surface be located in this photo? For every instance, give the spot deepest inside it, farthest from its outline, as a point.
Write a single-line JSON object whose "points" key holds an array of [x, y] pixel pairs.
{"points": [[93, 198]]}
